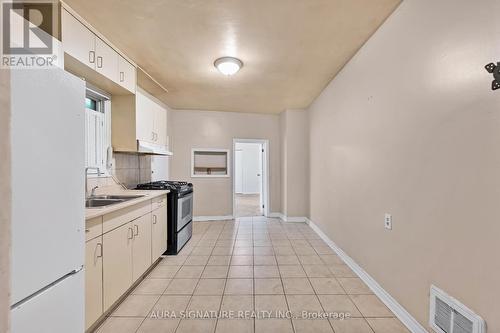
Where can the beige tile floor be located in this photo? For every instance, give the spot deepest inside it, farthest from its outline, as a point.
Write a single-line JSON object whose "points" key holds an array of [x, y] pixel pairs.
{"points": [[258, 265], [247, 205]]}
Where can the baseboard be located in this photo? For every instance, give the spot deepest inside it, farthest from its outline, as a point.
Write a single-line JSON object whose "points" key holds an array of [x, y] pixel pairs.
{"points": [[404, 316], [212, 218], [276, 215], [289, 218]]}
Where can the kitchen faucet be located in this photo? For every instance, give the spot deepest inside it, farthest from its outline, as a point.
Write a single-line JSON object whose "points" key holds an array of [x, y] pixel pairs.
{"points": [[87, 178]]}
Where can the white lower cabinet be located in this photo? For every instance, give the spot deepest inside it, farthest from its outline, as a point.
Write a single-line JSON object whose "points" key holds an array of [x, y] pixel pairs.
{"points": [[93, 281], [158, 233], [141, 246], [117, 263], [126, 243]]}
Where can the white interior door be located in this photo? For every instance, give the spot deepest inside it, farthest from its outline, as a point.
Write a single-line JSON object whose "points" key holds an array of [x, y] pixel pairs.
{"points": [[251, 168], [238, 171]]}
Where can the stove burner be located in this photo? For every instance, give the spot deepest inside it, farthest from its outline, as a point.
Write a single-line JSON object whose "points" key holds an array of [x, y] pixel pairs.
{"points": [[165, 185]]}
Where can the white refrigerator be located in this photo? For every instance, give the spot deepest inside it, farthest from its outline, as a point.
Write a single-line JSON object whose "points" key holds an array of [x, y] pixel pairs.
{"points": [[48, 213]]}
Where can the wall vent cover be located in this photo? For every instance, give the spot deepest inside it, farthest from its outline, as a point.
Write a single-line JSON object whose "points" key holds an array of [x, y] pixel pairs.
{"points": [[448, 315]]}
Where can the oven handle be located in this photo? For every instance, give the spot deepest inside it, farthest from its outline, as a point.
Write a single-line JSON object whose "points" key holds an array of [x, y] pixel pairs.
{"points": [[185, 194]]}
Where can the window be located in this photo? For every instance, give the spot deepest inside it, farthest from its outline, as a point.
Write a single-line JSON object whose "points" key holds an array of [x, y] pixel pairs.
{"points": [[210, 163], [97, 130]]}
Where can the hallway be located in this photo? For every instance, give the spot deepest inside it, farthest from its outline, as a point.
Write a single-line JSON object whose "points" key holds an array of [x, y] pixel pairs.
{"points": [[247, 205]]}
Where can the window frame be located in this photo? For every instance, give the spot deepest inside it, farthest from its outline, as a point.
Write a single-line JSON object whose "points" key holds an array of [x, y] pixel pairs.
{"points": [[104, 106]]}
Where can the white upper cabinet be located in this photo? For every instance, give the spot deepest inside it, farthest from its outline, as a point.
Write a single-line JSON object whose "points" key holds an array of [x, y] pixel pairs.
{"points": [[160, 126], [126, 74], [151, 118], [90, 50], [78, 41], [139, 124], [145, 118], [106, 60]]}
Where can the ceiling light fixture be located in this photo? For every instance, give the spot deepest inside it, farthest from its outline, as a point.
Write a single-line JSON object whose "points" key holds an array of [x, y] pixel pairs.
{"points": [[228, 65]]}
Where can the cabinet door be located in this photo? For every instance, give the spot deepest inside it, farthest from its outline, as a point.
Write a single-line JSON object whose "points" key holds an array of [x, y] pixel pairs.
{"points": [[126, 74], [77, 40], [158, 233], [117, 263], [93, 281], [160, 125], [145, 117], [106, 60], [141, 253]]}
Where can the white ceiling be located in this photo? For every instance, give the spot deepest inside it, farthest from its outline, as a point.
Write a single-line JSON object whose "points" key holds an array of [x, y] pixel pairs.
{"points": [[290, 48]]}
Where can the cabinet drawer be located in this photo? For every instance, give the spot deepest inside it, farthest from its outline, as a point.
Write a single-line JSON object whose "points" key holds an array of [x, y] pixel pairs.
{"points": [[159, 202], [125, 215], [93, 228]]}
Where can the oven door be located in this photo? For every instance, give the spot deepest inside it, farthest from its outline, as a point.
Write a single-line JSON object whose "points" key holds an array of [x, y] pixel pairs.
{"points": [[184, 210]]}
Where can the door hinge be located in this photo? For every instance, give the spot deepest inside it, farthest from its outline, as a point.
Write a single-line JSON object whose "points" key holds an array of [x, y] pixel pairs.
{"points": [[262, 206], [262, 149]]}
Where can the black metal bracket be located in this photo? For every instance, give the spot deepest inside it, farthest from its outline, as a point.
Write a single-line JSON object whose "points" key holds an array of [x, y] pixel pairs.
{"points": [[495, 70]]}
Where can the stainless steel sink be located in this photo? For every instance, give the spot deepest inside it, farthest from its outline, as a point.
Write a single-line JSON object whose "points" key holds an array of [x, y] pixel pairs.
{"points": [[94, 203], [117, 197], [107, 200]]}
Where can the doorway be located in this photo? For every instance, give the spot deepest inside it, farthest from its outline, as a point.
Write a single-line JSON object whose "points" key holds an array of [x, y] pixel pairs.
{"points": [[250, 178]]}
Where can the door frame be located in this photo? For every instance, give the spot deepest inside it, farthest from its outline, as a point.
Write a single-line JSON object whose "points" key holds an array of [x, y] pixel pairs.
{"points": [[265, 172]]}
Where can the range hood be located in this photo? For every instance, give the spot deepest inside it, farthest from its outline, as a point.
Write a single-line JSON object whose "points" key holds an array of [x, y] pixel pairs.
{"points": [[151, 148]]}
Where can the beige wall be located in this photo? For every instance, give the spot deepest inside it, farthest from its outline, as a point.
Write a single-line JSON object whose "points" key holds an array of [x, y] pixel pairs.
{"points": [[208, 129], [5, 198], [411, 127], [294, 138]]}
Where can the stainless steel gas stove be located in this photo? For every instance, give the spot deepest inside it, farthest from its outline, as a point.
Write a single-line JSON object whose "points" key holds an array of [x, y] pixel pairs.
{"points": [[179, 211]]}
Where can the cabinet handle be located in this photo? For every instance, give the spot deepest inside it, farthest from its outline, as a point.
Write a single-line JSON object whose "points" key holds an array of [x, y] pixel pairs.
{"points": [[136, 230], [97, 256], [131, 233], [122, 76], [91, 57], [99, 62], [156, 137], [154, 219], [99, 245], [153, 136]]}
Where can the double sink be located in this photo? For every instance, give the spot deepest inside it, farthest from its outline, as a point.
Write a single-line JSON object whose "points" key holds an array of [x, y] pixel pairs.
{"points": [[97, 201]]}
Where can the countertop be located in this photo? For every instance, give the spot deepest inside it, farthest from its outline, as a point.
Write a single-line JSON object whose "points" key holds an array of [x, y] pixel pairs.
{"points": [[91, 213]]}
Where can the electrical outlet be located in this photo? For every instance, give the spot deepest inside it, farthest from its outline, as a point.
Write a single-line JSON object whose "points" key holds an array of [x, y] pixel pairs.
{"points": [[388, 221]]}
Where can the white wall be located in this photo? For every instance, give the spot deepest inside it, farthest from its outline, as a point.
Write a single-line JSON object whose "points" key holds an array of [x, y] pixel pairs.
{"points": [[248, 173], [410, 126], [294, 163], [211, 129]]}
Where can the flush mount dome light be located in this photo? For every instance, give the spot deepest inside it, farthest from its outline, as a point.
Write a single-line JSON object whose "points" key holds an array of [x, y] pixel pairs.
{"points": [[228, 65]]}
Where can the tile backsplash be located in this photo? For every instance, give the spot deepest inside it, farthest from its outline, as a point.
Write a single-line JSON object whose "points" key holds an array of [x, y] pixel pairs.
{"points": [[132, 169]]}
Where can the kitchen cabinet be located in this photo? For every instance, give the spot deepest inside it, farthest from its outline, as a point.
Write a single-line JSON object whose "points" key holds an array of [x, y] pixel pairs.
{"points": [[158, 233], [78, 41], [141, 246], [151, 120], [126, 74], [93, 281], [117, 263], [145, 117], [160, 126], [121, 246], [137, 121], [88, 49], [106, 61]]}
